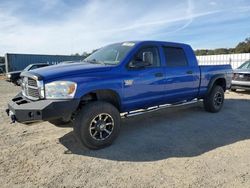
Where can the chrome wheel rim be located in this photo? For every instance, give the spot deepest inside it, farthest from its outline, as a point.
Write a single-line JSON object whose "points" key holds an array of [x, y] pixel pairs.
{"points": [[101, 126], [218, 99]]}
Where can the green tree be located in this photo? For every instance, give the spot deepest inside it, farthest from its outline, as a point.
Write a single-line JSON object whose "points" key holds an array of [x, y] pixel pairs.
{"points": [[242, 47], [210, 52], [85, 54], [201, 52]]}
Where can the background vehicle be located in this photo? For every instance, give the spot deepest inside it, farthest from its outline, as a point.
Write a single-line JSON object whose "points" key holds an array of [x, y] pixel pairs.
{"points": [[18, 62], [2, 68], [241, 77], [118, 79], [15, 75]]}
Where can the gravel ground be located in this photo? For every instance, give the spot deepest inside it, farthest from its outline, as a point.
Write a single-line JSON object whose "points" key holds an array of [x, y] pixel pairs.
{"points": [[177, 147]]}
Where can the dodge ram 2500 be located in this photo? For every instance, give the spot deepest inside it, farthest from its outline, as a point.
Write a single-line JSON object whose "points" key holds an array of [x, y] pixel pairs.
{"points": [[117, 80]]}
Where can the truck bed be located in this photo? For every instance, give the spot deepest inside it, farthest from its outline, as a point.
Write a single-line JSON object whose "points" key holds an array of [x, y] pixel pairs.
{"points": [[208, 71]]}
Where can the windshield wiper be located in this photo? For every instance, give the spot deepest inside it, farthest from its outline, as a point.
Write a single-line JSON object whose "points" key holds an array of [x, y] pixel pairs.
{"points": [[94, 61]]}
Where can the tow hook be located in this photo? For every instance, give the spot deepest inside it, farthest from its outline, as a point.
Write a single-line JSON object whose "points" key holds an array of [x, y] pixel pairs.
{"points": [[12, 116]]}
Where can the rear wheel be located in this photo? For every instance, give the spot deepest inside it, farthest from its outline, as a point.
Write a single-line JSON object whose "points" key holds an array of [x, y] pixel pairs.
{"points": [[213, 102], [97, 124]]}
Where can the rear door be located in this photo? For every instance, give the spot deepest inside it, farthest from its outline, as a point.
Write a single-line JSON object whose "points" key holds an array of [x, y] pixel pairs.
{"points": [[182, 76]]}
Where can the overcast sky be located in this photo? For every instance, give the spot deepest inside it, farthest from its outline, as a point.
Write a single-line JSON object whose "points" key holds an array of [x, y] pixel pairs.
{"points": [[66, 27]]}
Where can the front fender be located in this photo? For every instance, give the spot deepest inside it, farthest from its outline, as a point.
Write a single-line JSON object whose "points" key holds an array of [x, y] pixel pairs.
{"points": [[113, 84]]}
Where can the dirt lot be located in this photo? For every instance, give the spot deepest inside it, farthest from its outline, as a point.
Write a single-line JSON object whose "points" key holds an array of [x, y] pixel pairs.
{"points": [[184, 147]]}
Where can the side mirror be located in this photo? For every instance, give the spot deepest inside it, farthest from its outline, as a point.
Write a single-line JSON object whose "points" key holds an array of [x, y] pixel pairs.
{"points": [[147, 58]]}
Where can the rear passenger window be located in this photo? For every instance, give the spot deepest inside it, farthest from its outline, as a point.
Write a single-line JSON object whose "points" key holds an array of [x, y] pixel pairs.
{"points": [[175, 57]]}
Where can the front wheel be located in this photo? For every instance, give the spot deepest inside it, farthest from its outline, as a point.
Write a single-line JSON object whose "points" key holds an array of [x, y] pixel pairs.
{"points": [[213, 102], [97, 124]]}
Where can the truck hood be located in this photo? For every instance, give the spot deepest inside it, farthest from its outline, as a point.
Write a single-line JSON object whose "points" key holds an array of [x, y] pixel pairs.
{"points": [[247, 71], [63, 70]]}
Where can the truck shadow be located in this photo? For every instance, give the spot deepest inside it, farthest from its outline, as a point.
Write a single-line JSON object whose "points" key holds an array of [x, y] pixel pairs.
{"points": [[247, 92], [176, 132]]}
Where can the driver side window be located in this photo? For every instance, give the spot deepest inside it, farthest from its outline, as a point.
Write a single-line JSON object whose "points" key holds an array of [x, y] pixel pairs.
{"points": [[149, 56]]}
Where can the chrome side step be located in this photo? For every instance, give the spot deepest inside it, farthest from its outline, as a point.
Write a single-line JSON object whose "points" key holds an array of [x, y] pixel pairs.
{"points": [[155, 108]]}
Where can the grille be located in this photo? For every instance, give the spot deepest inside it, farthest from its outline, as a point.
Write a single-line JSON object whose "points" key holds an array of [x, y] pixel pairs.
{"points": [[32, 82], [243, 77], [30, 88]]}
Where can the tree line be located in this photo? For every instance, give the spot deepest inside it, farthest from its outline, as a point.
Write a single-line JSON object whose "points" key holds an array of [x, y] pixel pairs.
{"points": [[242, 47], [84, 54]]}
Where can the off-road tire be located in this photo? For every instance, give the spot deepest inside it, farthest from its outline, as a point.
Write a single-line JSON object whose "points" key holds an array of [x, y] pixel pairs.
{"points": [[213, 102], [88, 119]]}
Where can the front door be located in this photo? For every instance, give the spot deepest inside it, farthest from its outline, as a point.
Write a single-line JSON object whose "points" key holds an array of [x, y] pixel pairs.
{"points": [[144, 86]]}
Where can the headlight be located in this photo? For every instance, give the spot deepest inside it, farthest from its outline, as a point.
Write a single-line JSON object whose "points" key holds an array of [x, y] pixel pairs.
{"points": [[60, 90], [8, 75]]}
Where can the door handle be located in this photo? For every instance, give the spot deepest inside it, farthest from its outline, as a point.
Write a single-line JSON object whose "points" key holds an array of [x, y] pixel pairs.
{"points": [[189, 72], [158, 74]]}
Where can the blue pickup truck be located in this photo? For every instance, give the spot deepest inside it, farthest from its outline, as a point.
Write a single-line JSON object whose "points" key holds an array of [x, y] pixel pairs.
{"points": [[121, 79]]}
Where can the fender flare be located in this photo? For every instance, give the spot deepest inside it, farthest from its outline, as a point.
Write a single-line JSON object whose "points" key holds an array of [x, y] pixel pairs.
{"points": [[213, 80], [104, 94]]}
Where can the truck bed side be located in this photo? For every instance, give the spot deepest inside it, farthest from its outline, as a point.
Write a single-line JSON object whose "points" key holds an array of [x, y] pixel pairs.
{"points": [[208, 72]]}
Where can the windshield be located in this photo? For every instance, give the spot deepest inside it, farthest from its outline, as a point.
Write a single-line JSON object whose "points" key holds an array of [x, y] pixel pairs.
{"points": [[111, 54], [245, 65]]}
